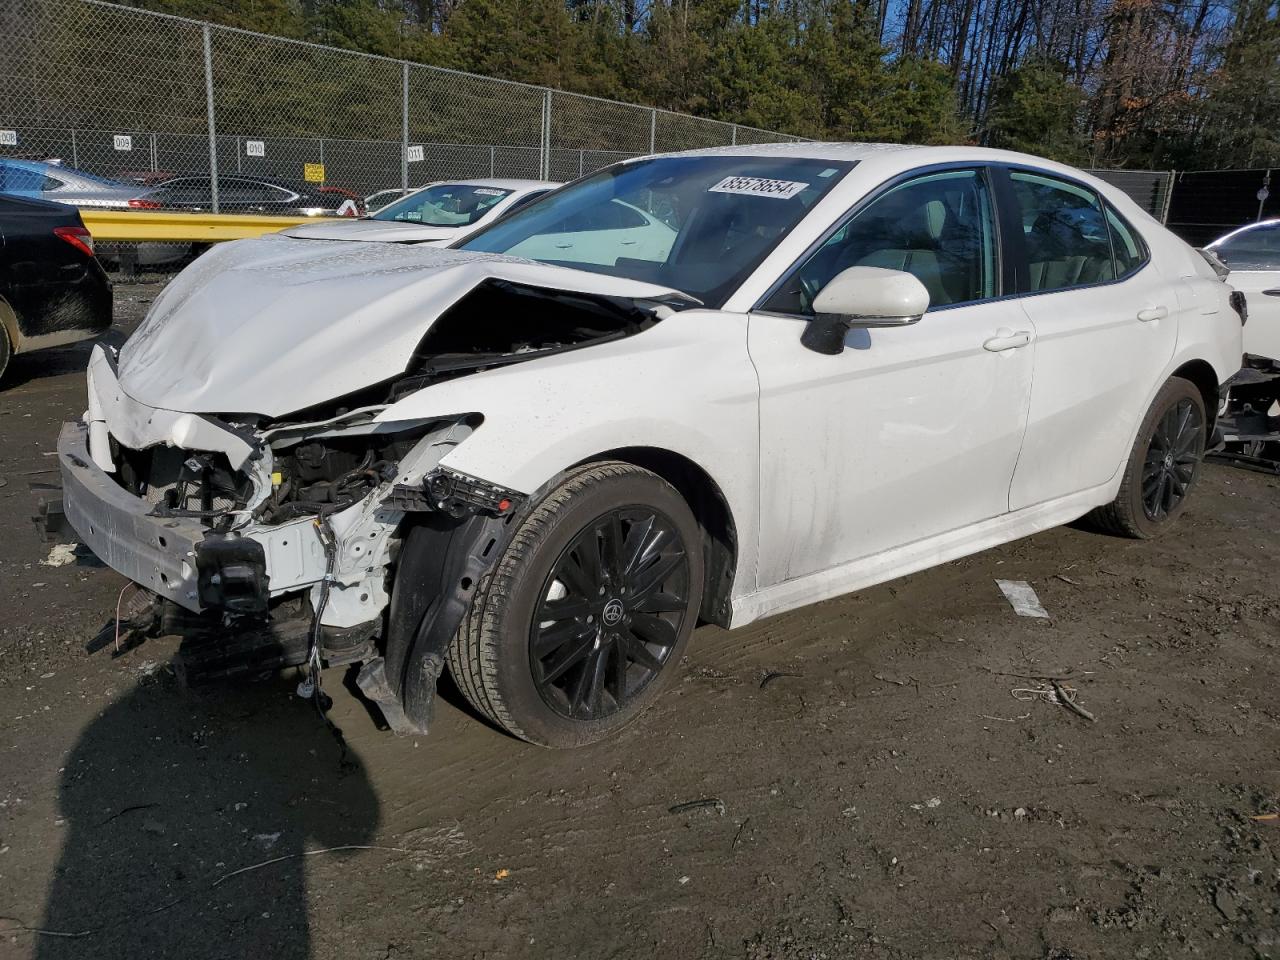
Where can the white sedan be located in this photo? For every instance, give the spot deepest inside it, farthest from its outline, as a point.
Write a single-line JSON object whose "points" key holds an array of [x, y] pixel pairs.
{"points": [[845, 363], [1253, 254], [438, 214]]}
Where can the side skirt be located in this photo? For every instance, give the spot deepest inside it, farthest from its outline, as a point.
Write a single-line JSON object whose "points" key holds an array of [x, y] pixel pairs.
{"points": [[917, 556]]}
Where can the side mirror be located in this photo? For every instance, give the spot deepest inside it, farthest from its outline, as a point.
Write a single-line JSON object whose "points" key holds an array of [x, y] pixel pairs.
{"points": [[863, 297]]}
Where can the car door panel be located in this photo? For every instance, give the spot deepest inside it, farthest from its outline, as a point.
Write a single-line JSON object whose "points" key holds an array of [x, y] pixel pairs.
{"points": [[912, 431], [908, 433], [1102, 344]]}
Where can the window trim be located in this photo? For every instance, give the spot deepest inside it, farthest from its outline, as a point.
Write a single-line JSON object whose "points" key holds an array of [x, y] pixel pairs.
{"points": [[982, 168], [1017, 238]]}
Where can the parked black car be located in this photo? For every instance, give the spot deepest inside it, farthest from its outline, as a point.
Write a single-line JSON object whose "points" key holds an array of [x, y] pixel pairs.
{"points": [[53, 291], [238, 194]]}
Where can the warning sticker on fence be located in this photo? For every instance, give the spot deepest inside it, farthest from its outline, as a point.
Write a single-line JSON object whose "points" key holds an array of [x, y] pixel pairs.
{"points": [[123, 142], [255, 148], [8, 138], [313, 172], [759, 187]]}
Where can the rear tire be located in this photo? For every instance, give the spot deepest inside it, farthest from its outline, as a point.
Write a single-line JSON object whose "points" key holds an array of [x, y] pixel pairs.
{"points": [[1163, 466], [6, 351], [588, 611]]}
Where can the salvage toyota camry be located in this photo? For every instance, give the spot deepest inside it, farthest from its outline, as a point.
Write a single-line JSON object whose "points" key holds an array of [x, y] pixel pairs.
{"points": [[538, 459]]}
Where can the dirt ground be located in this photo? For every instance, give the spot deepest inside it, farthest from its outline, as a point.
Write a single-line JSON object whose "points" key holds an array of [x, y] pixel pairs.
{"points": [[874, 788]]}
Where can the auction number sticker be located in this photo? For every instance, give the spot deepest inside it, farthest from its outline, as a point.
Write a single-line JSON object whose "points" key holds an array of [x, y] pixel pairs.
{"points": [[8, 138], [255, 148], [123, 142], [489, 192], [759, 187]]}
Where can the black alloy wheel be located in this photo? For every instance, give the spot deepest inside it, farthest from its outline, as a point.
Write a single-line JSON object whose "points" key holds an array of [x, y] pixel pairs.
{"points": [[588, 611], [1163, 464], [611, 612], [1172, 459]]}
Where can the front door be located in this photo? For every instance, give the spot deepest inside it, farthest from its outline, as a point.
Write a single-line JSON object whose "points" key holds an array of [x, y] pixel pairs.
{"points": [[910, 432]]}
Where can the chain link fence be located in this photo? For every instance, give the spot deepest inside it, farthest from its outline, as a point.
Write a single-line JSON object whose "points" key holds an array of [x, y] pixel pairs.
{"points": [[137, 96]]}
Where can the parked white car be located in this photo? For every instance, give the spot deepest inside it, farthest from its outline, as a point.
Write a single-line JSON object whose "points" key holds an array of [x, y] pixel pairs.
{"points": [[1251, 418], [1253, 254], [437, 215], [850, 362]]}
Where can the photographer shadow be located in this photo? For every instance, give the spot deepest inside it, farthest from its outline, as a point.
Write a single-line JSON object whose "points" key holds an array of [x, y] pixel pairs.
{"points": [[170, 794]]}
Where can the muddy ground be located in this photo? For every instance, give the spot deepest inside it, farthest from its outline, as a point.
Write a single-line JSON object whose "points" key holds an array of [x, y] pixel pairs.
{"points": [[883, 795]]}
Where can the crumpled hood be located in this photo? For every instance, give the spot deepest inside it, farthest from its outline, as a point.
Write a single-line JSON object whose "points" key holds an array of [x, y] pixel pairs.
{"points": [[378, 231], [272, 325]]}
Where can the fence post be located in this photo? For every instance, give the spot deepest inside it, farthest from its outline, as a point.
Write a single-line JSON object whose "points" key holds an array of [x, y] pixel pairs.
{"points": [[213, 127], [75, 157], [493, 159], [545, 160], [1168, 196], [653, 130], [404, 126], [733, 140]]}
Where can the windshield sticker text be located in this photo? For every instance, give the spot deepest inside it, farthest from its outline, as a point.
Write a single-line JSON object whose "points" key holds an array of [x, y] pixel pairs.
{"points": [[759, 187]]}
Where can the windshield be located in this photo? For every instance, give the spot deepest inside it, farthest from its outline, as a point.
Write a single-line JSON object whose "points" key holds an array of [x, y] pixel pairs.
{"points": [[696, 224], [444, 205]]}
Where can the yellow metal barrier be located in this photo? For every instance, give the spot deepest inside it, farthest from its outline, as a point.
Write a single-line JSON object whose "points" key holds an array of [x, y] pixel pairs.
{"points": [[159, 225]]}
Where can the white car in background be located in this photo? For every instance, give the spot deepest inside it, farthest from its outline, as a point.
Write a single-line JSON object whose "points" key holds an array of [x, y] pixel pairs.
{"points": [[436, 215], [1251, 420], [538, 458], [1253, 255]]}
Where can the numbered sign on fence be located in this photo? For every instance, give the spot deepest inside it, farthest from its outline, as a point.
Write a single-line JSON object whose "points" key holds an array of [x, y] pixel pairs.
{"points": [[415, 153], [255, 148], [8, 138], [122, 142], [313, 172]]}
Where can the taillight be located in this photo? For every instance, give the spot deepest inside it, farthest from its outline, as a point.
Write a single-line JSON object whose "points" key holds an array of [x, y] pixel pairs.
{"points": [[78, 237], [137, 203]]}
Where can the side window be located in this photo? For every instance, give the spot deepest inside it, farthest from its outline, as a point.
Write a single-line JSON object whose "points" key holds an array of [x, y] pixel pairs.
{"points": [[51, 183], [1126, 245], [1067, 241], [938, 227], [1257, 248]]}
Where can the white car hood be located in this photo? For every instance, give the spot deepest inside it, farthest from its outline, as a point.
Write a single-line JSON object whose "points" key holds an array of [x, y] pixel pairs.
{"points": [[378, 231], [272, 325]]}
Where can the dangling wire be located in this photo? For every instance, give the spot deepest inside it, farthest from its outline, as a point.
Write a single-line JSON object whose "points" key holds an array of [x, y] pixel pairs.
{"points": [[311, 686]]}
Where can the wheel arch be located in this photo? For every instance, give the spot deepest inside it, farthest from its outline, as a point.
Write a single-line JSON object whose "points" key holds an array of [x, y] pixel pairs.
{"points": [[710, 508], [1205, 379]]}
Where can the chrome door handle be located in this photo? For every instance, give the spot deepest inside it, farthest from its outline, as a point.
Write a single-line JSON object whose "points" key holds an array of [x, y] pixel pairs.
{"points": [[1153, 313], [1006, 339]]}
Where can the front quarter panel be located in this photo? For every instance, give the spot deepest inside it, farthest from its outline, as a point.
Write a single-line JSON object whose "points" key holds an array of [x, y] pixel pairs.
{"points": [[685, 385]]}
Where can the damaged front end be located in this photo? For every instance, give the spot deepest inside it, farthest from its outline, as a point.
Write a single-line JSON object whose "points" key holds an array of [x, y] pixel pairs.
{"points": [[267, 545], [277, 540]]}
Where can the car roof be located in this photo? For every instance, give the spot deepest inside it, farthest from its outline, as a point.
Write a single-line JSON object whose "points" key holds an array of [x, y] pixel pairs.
{"points": [[62, 170], [1272, 221], [55, 211], [501, 183]]}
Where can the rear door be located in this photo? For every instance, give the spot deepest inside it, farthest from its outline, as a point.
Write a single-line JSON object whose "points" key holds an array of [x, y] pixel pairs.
{"points": [[1106, 325]]}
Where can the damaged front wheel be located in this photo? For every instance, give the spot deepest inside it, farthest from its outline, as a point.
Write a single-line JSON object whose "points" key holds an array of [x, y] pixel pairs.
{"points": [[588, 610]]}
